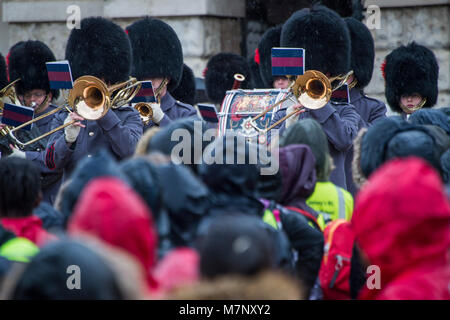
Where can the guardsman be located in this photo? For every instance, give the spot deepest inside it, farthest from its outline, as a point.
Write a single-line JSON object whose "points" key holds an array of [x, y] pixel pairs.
{"points": [[326, 40], [411, 77], [102, 49], [26, 61], [158, 56]]}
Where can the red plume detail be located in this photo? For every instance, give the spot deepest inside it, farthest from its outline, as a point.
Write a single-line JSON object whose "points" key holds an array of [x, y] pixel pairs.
{"points": [[204, 72], [383, 66], [7, 65], [257, 57]]}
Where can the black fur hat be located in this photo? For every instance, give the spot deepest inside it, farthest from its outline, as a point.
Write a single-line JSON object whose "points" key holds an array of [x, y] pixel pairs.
{"points": [[219, 76], [27, 61], [185, 92], [99, 48], [323, 35], [363, 51], [157, 51], [254, 66], [411, 69], [3, 76], [270, 39], [346, 8]]}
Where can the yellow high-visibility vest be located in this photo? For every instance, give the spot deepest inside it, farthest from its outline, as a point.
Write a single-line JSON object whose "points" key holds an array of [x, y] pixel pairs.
{"points": [[331, 203]]}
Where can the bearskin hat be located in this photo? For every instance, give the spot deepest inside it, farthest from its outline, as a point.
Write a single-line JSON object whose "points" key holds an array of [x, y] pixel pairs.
{"points": [[270, 39], [254, 65], [219, 76], [3, 76], [27, 61], [411, 69], [346, 8], [323, 35], [363, 51], [185, 92], [157, 51], [99, 48]]}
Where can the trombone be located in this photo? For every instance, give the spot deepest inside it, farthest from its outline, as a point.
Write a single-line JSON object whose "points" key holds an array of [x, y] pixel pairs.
{"points": [[312, 90], [90, 98]]}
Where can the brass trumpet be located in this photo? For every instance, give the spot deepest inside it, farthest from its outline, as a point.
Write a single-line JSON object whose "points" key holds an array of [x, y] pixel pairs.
{"points": [[312, 90], [144, 108], [90, 98]]}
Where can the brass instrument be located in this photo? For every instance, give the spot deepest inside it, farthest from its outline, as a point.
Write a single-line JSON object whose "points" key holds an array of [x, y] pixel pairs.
{"points": [[312, 90], [7, 92], [90, 98], [145, 109]]}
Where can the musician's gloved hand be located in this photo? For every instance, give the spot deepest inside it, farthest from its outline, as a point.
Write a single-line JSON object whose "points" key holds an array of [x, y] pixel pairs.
{"points": [[71, 132], [17, 153], [158, 114], [290, 121]]}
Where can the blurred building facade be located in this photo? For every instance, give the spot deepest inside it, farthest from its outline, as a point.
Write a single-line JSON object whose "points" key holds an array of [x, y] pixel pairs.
{"points": [[207, 27]]}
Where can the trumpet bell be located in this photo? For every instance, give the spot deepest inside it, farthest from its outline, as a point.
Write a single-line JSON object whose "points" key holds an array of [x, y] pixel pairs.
{"points": [[313, 89], [145, 111], [89, 97]]}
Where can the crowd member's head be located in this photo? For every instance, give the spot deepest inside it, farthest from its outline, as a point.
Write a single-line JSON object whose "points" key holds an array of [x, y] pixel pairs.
{"points": [[181, 139], [185, 202], [263, 286], [411, 78], [229, 172], [99, 48], [186, 91], [310, 133], [269, 40], [401, 221], [436, 117], [363, 52], [20, 187], [27, 61], [219, 75], [298, 174], [157, 52], [395, 138], [67, 270], [112, 212], [235, 244], [142, 177], [99, 165], [324, 36]]}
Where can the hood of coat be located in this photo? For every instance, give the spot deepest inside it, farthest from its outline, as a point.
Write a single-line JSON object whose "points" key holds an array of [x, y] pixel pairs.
{"points": [[111, 211], [401, 218], [297, 165]]}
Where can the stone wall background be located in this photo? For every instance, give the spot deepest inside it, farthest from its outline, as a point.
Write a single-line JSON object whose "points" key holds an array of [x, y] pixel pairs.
{"points": [[207, 27]]}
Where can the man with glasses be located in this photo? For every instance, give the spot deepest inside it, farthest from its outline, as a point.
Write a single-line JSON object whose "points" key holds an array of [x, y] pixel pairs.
{"points": [[26, 61]]}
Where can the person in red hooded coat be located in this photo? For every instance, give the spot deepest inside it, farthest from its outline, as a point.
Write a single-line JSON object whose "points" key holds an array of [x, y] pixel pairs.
{"points": [[402, 225], [111, 211]]}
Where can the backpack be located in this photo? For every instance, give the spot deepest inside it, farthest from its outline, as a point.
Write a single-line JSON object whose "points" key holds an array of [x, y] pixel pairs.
{"points": [[272, 214], [334, 273]]}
